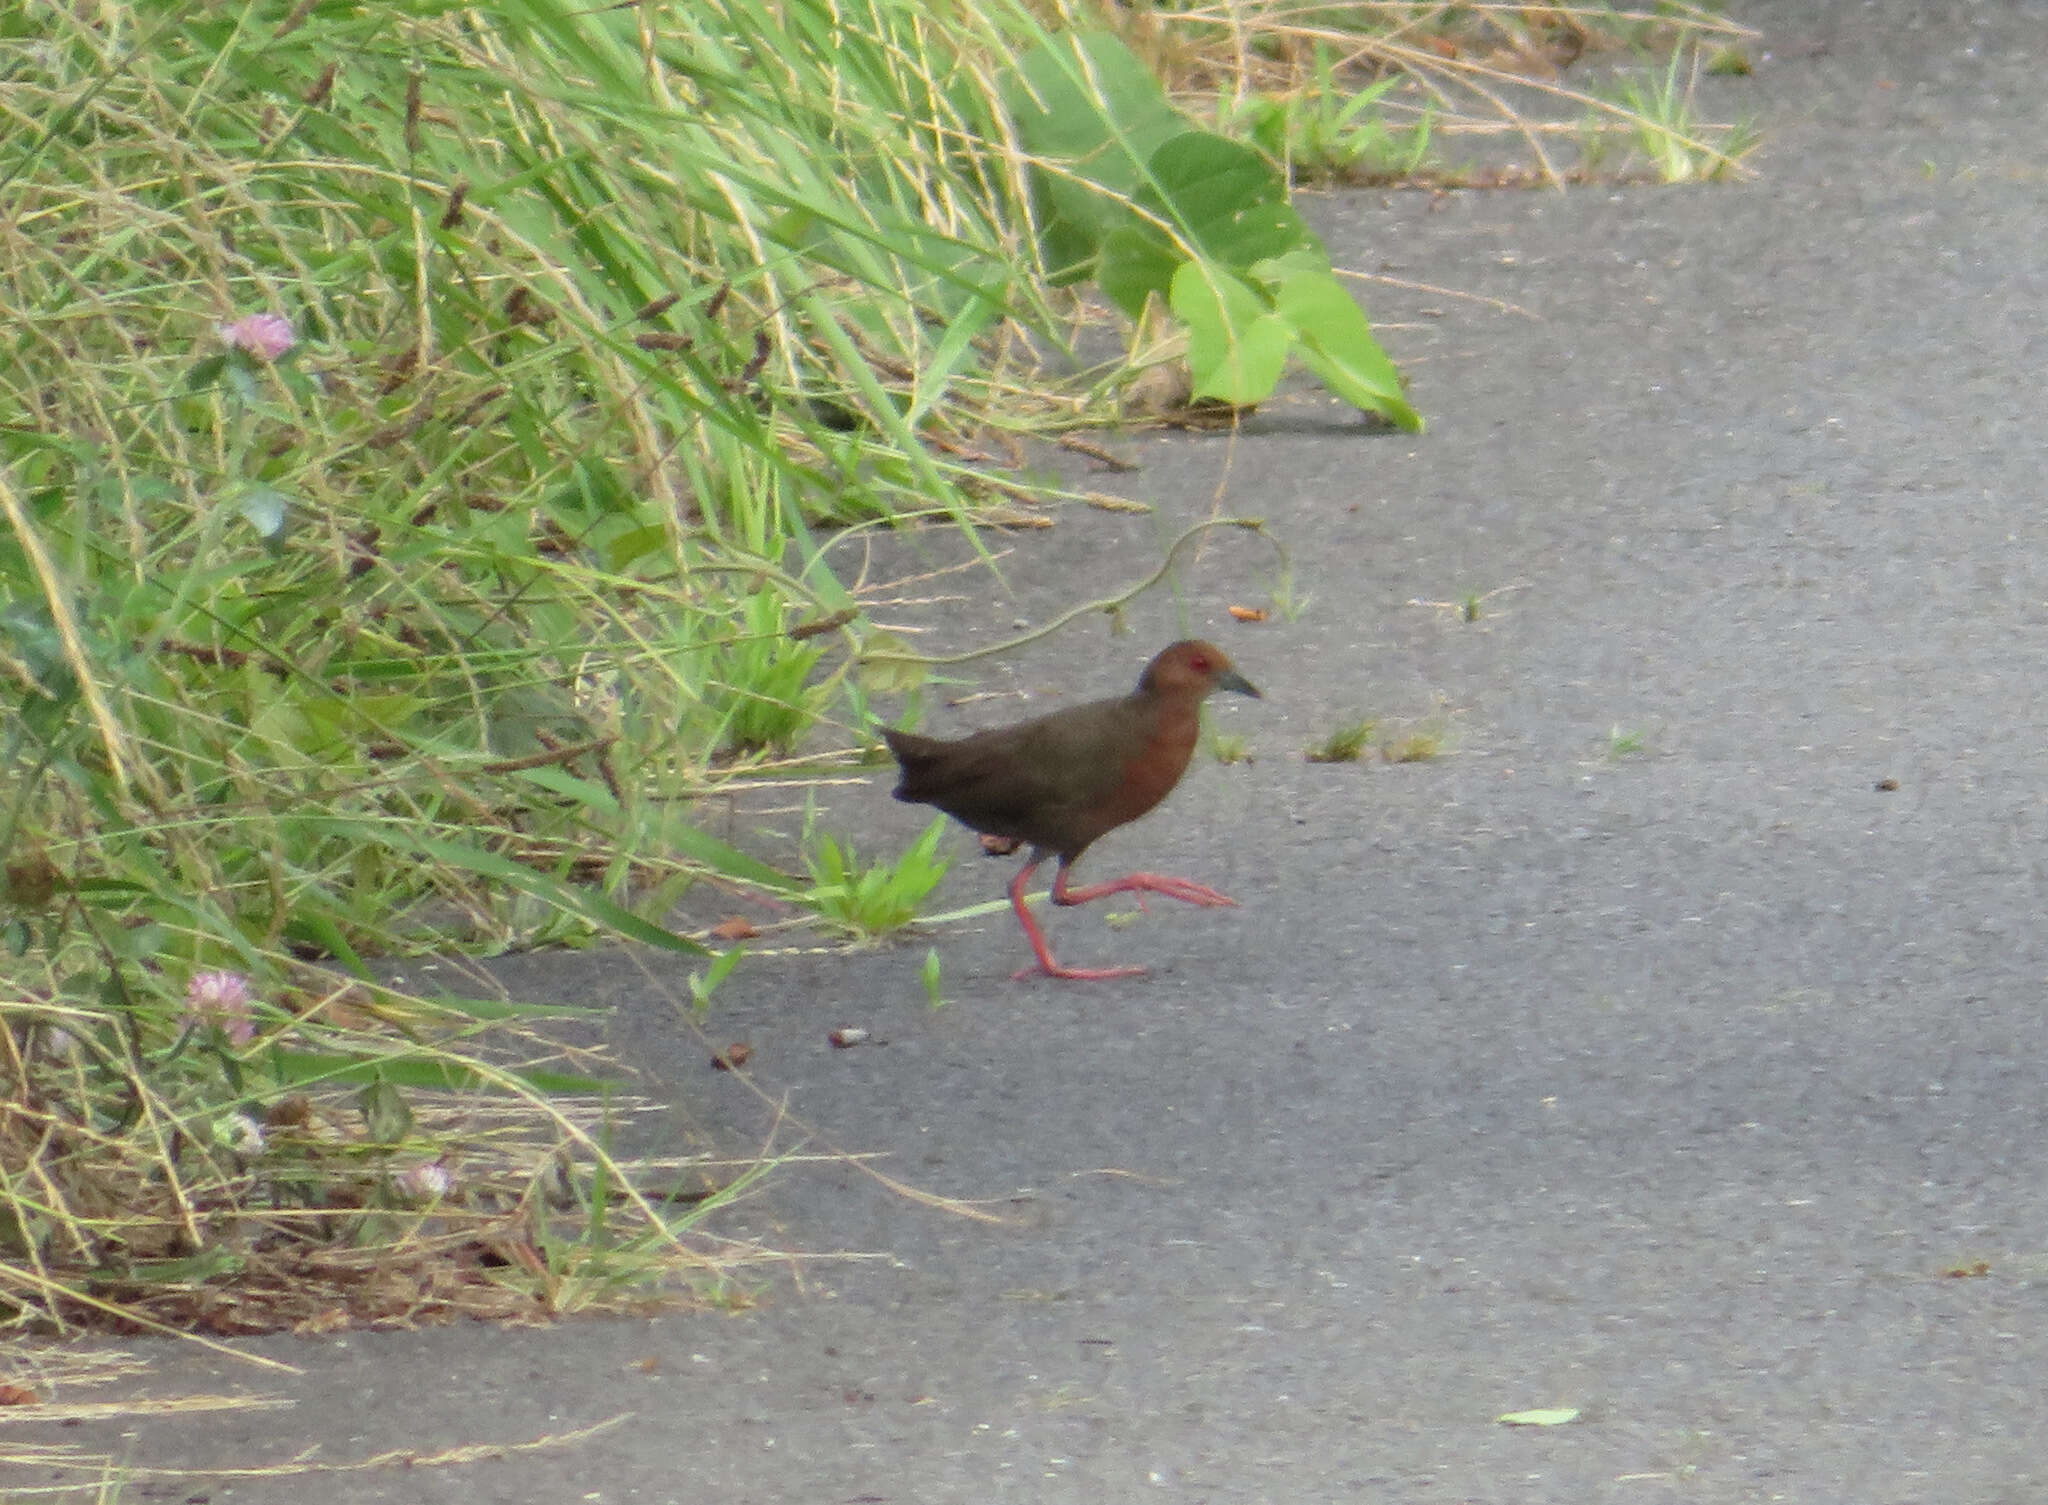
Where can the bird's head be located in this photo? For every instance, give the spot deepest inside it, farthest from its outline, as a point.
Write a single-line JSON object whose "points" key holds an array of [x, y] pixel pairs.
{"points": [[1194, 668]]}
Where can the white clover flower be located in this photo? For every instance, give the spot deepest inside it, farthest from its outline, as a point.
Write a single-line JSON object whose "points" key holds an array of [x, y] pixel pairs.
{"points": [[240, 1133], [428, 1181]]}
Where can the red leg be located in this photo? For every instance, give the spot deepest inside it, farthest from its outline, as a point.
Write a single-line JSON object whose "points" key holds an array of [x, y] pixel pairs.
{"points": [[1048, 965], [1139, 883]]}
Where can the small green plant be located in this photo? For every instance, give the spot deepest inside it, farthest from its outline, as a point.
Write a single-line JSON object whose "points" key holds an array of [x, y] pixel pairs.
{"points": [[1317, 132], [758, 684], [1473, 606], [1680, 148], [703, 984], [1287, 604], [1227, 748], [1344, 745], [1417, 745], [1477, 603], [932, 974], [1621, 743], [869, 902]]}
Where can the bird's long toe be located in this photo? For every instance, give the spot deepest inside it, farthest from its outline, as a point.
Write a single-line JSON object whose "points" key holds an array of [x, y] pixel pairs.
{"points": [[1187, 891], [1078, 974]]}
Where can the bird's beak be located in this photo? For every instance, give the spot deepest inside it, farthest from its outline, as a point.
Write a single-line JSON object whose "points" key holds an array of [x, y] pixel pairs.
{"points": [[1237, 684]]}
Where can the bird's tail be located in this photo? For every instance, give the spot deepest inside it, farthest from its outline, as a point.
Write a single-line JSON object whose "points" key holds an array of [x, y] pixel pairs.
{"points": [[917, 757]]}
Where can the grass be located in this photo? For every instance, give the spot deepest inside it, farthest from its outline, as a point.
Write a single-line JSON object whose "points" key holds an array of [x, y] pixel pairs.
{"points": [[1622, 743], [1419, 744], [1396, 92], [63, 1382], [1350, 742], [421, 450], [1288, 603], [1345, 744], [1666, 130], [1324, 133], [268, 1168]]}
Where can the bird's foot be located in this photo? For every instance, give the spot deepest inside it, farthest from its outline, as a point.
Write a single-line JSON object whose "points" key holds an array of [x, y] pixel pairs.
{"points": [[1189, 892], [1077, 974], [1183, 889]]}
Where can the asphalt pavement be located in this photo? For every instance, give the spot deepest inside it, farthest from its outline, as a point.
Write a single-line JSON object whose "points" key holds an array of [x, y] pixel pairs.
{"points": [[1670, 1048]]}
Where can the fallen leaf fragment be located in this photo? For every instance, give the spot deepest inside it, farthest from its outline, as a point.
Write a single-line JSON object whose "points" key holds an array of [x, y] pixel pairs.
{"points": [[1249, 613], [736, 927], [1555, 1417]]}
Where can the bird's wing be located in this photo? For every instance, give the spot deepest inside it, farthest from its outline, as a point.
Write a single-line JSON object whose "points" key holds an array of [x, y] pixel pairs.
{"points": [[1078, 757], [1025, 780]]}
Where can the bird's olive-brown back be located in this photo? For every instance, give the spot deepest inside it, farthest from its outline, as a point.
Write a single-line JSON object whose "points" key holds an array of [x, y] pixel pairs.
{"points": [[1060, 781]]}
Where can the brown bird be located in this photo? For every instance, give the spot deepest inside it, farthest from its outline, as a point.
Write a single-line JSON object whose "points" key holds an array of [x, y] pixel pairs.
{"points": [[1062, 781]]}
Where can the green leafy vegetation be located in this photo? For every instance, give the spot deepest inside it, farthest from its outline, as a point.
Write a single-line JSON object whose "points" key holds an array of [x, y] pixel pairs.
{"points": [[420, 448], [869, 902], [428, 446], [1151, 207]]}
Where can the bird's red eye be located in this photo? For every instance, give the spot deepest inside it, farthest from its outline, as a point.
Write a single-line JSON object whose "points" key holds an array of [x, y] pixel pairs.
{"points": [[1200, 664]]}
